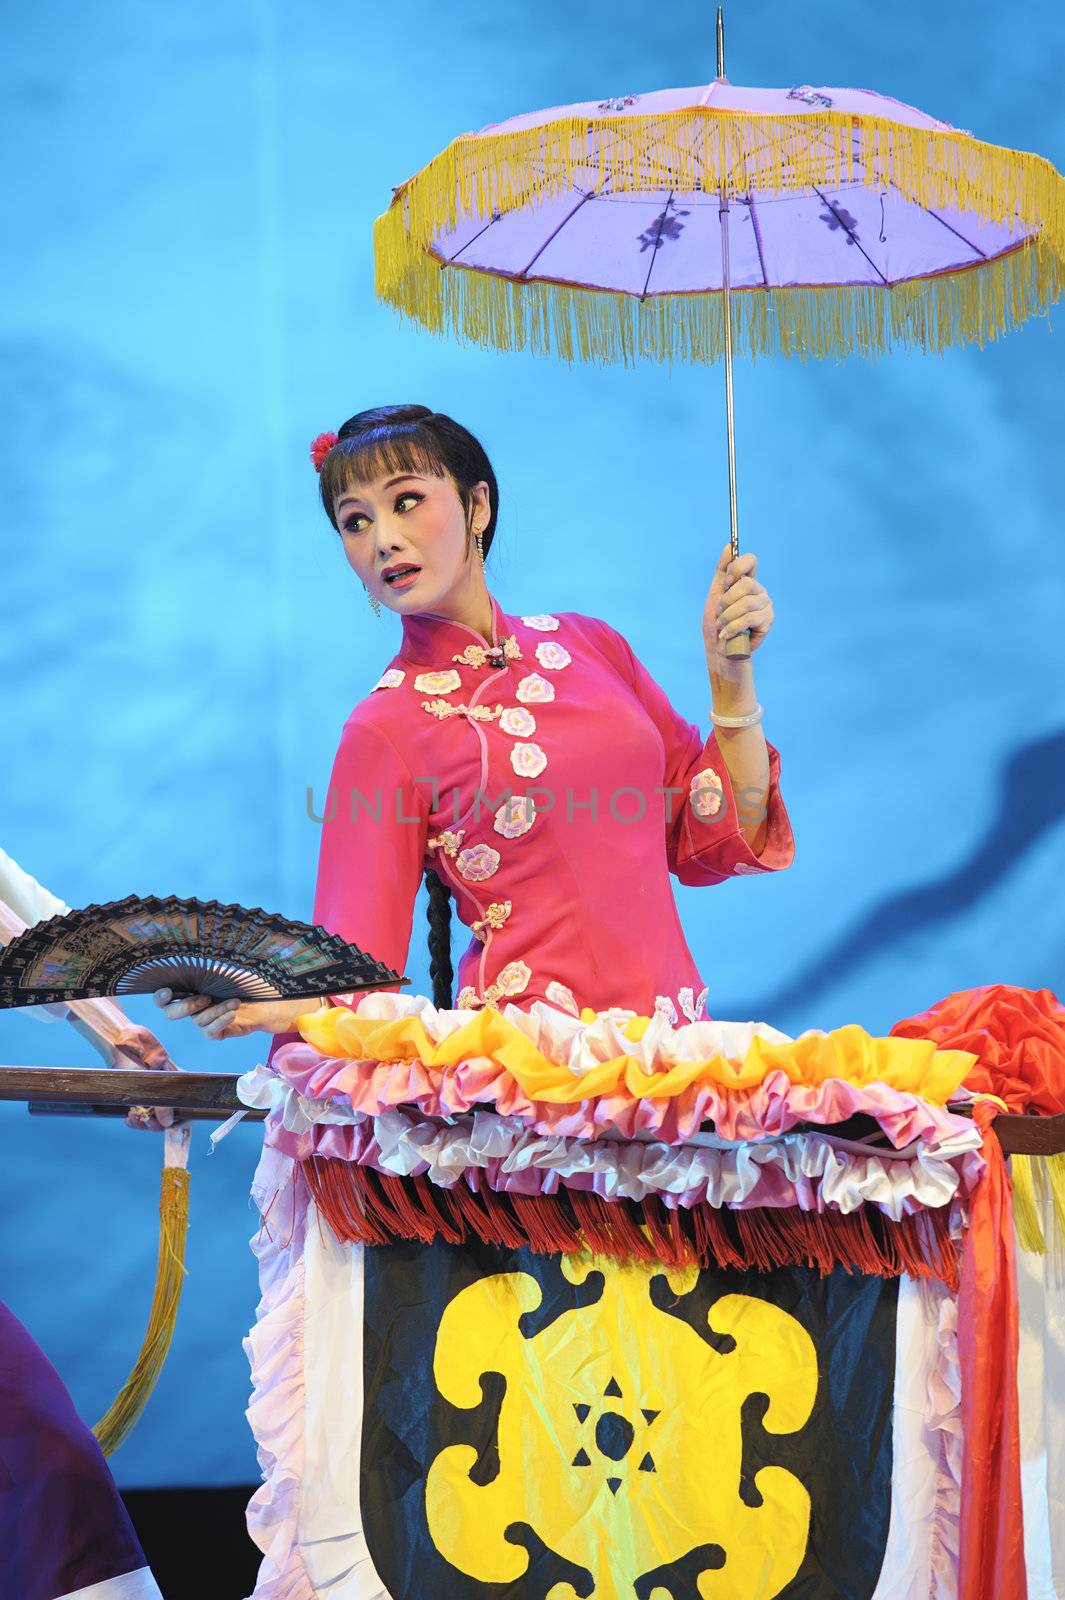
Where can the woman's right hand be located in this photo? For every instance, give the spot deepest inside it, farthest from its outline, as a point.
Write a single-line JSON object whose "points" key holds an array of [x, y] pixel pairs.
{"points": [[232, 1019]]}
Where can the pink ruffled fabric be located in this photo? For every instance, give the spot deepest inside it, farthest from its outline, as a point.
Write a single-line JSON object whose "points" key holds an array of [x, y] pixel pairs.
{"points": [[812, 1170], [773, 1107]]}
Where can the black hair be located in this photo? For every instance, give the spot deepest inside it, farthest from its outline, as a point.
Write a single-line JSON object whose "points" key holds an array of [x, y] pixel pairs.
{"points": [[394, 439], [398, 439]]}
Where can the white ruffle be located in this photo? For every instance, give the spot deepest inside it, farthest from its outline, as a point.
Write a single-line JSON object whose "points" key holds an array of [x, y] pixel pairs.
{"points": [[920, 1559], [815, 1171], [274, 1348], [943, 1418], [305, 1352]]}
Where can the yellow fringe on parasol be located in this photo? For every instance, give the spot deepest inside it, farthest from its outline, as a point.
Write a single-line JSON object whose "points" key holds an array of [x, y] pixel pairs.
{"points": [[912, 1065], [488, 172], [116, 1423]]}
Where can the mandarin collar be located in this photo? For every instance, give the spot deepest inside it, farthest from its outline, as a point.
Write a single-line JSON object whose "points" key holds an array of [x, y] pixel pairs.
{"points": [[432, 640]]}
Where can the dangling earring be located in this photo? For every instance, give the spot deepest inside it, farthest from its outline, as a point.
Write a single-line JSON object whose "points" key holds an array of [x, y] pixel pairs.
{"points": [[375, 603], [480, 548]]}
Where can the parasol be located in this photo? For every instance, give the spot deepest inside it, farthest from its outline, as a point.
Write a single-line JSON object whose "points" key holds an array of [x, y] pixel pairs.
{"points": [[685, 223]]}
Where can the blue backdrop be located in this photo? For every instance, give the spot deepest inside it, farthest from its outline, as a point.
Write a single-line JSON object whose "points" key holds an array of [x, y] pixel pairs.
{"points": [[189, 300]]}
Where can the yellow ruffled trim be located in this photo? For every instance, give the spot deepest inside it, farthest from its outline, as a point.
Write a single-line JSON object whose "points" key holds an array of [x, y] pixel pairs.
{"points": [[482, 173], [914, 1066]]}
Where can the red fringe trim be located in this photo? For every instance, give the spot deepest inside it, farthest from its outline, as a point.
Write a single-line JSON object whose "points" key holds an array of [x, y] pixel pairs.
{"points": [[369, 1207]]}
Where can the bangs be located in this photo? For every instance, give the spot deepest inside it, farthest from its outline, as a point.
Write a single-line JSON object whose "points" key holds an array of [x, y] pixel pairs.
{"points": [[379, 453]]}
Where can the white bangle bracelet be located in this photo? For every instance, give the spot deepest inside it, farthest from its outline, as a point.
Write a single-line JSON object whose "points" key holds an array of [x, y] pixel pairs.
{"points": [[736, 722]]}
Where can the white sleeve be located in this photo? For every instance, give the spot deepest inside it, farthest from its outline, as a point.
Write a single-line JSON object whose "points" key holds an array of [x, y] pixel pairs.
{"points": [[23, 902]]}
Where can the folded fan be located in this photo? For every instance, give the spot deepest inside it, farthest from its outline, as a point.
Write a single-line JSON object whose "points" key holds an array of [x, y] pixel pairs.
{"points": [[142, 943]]}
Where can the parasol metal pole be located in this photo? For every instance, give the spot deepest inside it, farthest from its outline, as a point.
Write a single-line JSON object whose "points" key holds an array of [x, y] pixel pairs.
{"points": [[739, 646]]}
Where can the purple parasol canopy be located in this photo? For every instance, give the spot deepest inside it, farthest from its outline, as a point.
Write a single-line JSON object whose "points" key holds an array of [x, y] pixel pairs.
{"points": [[591, 230]]}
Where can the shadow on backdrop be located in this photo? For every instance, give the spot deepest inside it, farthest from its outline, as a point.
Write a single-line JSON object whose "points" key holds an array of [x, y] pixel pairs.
{"points": [[1030, 802]]}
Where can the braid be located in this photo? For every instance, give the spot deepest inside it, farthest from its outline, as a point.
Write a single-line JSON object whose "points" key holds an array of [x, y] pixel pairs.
{"points": [[439, 912]]}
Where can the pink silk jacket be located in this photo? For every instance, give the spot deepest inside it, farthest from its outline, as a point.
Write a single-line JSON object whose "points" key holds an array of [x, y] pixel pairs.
{"points": [[553, 787]]}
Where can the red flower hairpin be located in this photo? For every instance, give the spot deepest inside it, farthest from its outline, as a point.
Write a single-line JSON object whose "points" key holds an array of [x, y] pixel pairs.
{"points": [[320, 448]]}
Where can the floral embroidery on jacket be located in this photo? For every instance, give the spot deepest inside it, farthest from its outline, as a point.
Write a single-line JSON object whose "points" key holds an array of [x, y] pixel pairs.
{"points": [[513, 978], [391, 678], [475, 655], [700, 1002], [467, 998], [664, 1003], [518, 721], [541, 622], [494, 917], [552, 656], [444, 708], [477, 862], [448, 840], [534, 689], [438, 682], [560, 995], [706, 793], [528, 760], [515, 816]]}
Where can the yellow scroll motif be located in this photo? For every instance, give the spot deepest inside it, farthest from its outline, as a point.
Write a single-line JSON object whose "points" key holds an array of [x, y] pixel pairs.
{"points": [[619, 1435]]}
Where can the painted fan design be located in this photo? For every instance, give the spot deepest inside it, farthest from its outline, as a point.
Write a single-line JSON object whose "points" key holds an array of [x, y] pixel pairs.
{"points": [[138, 944]]}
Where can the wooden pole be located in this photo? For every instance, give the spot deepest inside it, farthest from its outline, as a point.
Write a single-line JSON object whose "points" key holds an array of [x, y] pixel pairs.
{"points": [[103, 1091], [114, 1086]]}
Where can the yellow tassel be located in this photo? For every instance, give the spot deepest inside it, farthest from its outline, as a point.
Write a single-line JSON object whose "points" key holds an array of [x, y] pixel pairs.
{"points": [[1055, 1176], [116, 1423], [691, 150], [1025, 1206]]}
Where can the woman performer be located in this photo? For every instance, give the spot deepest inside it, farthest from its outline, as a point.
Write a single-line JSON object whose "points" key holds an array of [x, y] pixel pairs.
{"points": [[529, 766], [539, 777]]}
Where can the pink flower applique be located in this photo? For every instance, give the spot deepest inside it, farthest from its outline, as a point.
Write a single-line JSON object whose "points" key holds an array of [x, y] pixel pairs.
{"points": [[517, 721], [390, 679], [438, 682], [533, 689], [706, 793], [541, 622], [512, 979], [563, 997], [515, 816], [528, 760], [552, 656], [477, 862]]}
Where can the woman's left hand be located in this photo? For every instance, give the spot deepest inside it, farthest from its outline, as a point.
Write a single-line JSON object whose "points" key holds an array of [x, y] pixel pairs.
{"points": [[232, 1019], [737, 602]]}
